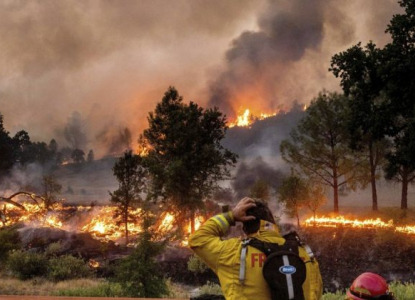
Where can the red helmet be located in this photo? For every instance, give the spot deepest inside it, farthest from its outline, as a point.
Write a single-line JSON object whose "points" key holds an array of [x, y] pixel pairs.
{"points": [[369, 286]]}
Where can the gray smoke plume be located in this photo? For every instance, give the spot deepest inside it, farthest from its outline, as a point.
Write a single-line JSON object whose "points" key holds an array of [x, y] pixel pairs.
{"points": [[74, 132], [287, 58], [248, 173]]}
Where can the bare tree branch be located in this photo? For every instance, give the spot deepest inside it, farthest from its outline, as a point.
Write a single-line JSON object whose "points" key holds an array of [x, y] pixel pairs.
{"points": [[31, 195]]}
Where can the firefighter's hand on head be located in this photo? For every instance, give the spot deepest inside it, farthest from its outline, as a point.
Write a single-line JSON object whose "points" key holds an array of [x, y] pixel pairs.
{"points": [[239, 212]]}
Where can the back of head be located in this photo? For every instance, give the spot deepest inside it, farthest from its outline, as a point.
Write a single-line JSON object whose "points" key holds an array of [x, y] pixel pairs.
{"points": [[261, 212]]}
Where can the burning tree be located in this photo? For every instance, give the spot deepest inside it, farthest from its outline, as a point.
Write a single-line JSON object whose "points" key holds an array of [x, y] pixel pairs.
{"points": [[185, 157], [131, 183], [49, 190]]}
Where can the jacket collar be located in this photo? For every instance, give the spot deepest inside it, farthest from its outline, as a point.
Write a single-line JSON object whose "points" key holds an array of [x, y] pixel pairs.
{"points": [[266, 229]]}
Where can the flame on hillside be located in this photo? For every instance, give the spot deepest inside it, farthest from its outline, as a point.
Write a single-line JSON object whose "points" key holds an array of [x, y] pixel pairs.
{"points": [[246, 118], [342, 221]]}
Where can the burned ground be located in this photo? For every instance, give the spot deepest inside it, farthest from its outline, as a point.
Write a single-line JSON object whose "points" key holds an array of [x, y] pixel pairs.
{"points": [[343, 253]]}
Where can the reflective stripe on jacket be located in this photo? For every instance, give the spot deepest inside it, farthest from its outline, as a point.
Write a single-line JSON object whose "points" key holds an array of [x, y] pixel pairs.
{"points": [[223, 257]]}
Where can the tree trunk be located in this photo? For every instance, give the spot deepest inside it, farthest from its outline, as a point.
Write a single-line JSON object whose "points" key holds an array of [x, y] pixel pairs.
{"points": [[126, 228], [335, 191], [298, 220], [373, 179], [404, 198]]}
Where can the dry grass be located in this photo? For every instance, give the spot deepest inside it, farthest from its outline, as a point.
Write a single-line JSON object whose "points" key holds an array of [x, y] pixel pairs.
{"points": [[76, 287], [43, 287]]}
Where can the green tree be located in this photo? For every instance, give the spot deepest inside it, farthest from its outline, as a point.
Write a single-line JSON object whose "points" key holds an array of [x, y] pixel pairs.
{"points": [[316, 197], [9, 240], [185, 157], [398, 71], [131, 177], [7, 150], [294, 194], [49, 190], [78, 156], [139, 274], [90, 157], [362, 81], [23, 146], [260, 189], [319, 145], [53, 146]]}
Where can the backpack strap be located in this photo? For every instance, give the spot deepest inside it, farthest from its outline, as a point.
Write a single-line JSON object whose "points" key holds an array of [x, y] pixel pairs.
{"points": [[242, 266], [309, 252]]}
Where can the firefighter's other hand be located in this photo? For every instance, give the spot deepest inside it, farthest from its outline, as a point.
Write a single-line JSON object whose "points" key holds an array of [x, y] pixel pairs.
{"points": [[239, 212]]}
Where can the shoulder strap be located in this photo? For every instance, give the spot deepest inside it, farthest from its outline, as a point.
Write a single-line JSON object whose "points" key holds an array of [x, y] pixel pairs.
{"points": [[242, 266]]}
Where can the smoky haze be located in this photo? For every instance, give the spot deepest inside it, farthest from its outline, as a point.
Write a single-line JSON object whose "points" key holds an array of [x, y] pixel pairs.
{"points": [[111, 61]]}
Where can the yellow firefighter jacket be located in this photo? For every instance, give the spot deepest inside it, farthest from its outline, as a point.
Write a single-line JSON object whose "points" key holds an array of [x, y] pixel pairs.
{"points": [[223, 257]]}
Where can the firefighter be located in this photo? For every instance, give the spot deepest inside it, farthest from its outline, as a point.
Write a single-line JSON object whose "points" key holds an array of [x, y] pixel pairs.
{"points": [[223, 256], [369, 286]]}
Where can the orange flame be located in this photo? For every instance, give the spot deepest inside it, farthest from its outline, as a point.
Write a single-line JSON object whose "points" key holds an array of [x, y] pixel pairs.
{"points": [[247, 118], [341, 221], [101, 224]]}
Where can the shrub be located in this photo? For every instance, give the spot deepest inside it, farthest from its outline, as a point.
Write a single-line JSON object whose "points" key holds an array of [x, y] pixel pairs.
{"points": [[334, 296], [25, 264], [53, 249], [139, 274], [9, 240], [210, 288], [67, 267], [196, 265], [105, 289]]}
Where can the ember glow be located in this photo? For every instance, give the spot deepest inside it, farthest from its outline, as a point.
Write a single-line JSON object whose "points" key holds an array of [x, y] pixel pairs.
{"points": [[342, 221]]}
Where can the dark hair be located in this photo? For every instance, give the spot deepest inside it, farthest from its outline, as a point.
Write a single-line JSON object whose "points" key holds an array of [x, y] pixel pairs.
{"points": [[261, 212]]}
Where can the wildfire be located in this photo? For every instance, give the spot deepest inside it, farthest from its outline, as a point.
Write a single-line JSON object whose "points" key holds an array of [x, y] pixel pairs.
{"points": [[99, 221], [341, 221], [93, 263], [33, 215], [247, 118], [104, 226]]}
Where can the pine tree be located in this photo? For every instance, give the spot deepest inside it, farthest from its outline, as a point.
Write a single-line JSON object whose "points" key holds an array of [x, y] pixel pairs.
{"points": [[131, 177]]}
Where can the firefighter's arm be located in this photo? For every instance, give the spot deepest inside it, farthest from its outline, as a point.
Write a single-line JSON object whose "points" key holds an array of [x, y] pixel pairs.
{"points": [[206, 242]]}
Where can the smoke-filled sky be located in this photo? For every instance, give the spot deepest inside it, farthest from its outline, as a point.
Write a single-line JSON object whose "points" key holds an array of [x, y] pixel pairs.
{"points": [[111, 61]]}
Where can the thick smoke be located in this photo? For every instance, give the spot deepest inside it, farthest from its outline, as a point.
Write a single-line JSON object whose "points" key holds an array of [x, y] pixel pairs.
{"points": [[74, 132], [112, 60], [248, 173], [287, 58], [109, 60], [115, 140]]}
